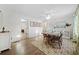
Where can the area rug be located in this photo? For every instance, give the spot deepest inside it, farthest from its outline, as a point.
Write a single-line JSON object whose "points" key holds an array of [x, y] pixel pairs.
{"points": [[68, 47]]}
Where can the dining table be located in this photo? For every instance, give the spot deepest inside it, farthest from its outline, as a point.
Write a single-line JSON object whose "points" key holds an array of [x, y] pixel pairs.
{"points": [[53, 37]]}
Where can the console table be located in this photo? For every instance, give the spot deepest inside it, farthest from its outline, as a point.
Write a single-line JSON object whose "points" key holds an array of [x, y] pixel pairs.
{"points": [[5, 41]]}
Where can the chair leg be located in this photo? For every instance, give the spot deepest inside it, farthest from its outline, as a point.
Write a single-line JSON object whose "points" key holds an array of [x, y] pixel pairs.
{"points": [[59, 45], [0, 51]]}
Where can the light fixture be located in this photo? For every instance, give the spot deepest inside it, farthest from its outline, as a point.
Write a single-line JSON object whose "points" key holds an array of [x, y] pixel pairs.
{"points": [[48, 17], [23, 20], [18, 35]]}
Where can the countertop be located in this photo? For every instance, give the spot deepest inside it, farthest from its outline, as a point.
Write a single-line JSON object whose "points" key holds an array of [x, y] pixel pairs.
{"points": [[4, 31]]}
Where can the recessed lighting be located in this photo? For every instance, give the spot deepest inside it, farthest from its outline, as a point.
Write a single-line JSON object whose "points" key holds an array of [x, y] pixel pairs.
{"points": [[18, 35], [48, 17], [23, 20]]}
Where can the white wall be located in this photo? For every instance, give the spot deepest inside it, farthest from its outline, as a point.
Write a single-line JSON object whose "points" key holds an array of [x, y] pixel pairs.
{"points": [[35, 31], [12, 22], [60, 21]]}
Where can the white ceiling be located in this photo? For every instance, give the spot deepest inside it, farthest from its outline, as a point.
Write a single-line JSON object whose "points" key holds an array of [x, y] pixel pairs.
{"points": [[40, 10]]}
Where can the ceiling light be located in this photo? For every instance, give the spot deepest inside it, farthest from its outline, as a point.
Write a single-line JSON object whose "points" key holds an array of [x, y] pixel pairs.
{"points": [[23, 20], [18, 35], [48, 17]]}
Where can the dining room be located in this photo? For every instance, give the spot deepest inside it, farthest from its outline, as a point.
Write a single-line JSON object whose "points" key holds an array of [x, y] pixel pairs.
{"points": [[39, 29]]}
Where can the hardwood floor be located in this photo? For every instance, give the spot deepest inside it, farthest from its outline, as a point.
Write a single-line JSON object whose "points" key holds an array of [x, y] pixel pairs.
{"points": [[23, 47], [26, 47]]}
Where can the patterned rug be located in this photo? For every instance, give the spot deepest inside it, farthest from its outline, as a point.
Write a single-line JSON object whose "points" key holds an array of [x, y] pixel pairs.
{"points": [[67, 47]]}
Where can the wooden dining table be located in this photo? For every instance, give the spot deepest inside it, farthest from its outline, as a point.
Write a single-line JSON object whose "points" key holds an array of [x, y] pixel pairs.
{"points": [[50, 38]]}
